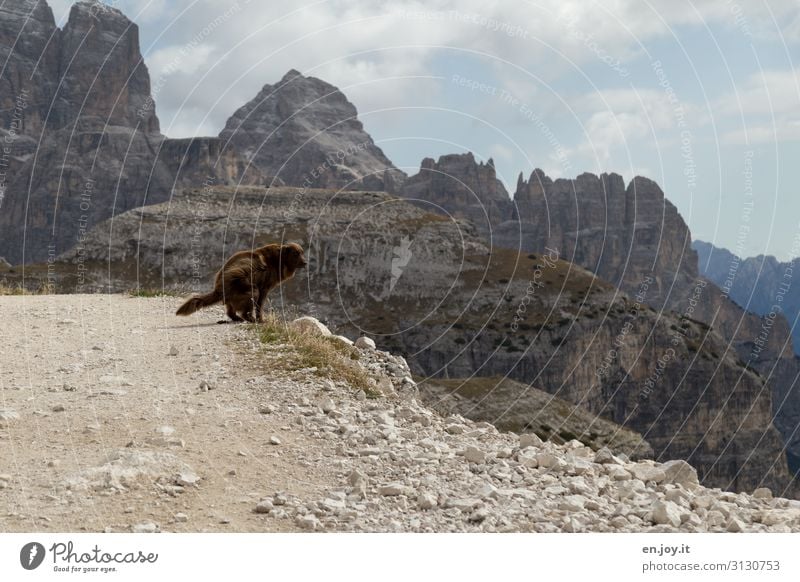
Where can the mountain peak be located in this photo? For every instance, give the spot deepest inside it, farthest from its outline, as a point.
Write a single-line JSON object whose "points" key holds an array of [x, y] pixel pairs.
{"points": [[292, 74], [304, 131]]}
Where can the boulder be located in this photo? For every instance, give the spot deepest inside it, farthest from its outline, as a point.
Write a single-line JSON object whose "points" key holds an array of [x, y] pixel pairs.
{"points": [[310, 325]]}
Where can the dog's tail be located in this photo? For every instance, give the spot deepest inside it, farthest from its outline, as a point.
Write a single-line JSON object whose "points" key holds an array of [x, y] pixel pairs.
{"points": [[198, 302]]}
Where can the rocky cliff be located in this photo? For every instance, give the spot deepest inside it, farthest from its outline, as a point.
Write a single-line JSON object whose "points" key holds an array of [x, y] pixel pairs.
{"points": [[463, 188], [84, 133], [428, 287], [306, 133], [620, 233], [630, 235]]}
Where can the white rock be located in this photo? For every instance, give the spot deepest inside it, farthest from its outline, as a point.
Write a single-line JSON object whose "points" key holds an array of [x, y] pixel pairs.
{"points": [[427, 501], [666, 513], [345, 340], [475, 455], [647, 472], [619, 473], [181, 518], [735, 525], [8, 414], [326, 405], [187, 479], [365, 343], [527, 459], [572, 503], [605, 457], [273, 440], [146, 527], [385, 386], [309, 522], [264, 506], [392, 489], [762, 493], [771, 518], [680, 473], [332, 504], [311, 326], [550, 461], [529, 439]]}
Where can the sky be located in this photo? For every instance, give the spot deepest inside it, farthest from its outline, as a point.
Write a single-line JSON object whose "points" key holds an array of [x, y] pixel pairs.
{"points": [[701, 96]]}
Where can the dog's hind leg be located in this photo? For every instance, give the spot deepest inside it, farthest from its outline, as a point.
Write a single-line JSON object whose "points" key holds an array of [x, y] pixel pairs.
{"points": [[231, 310], [259, 306]]}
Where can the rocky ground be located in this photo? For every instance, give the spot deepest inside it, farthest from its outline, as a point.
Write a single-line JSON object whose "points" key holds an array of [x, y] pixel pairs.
{"points": [[117, 416]]}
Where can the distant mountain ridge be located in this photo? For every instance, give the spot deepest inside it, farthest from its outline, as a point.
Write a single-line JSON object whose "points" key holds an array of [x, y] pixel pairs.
{"points": [[759, 284]]}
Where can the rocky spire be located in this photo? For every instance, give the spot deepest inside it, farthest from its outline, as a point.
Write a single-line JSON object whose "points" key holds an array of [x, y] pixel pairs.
{"points": [[105, 80], [462, 187], [305, 132]]}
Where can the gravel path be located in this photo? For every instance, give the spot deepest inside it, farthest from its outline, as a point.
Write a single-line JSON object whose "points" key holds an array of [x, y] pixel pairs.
{"points": [[88, 379], [117, 416]]}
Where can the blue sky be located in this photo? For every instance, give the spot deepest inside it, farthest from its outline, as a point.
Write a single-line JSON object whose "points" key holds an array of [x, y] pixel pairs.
{"points": [[701, 96]]}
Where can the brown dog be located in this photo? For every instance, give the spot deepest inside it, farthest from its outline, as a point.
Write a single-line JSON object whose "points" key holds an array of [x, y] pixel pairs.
{"points": [[243, 282]]}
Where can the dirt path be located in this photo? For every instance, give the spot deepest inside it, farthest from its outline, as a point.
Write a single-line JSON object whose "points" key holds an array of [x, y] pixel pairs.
{"points": [[120, 416]]}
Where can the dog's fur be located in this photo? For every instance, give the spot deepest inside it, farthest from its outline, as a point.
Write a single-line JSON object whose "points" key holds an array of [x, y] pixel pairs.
{"points": [[243, 282]]}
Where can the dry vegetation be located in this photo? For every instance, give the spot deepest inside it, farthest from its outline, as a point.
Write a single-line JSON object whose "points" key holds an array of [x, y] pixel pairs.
{"points": [[330, 357], [7, 288]]}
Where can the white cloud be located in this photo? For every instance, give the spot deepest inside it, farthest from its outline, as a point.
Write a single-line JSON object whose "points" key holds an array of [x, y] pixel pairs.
{"points": [[376, 52], [764, 109], [622, 118], [766, 93]]}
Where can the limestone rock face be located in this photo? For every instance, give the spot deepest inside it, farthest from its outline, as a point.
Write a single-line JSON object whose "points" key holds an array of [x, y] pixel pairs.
{"points": [[461, 187], [634, 238], [79, 99], [104, 80], [25, 89], [305, 132], [621, 234]]}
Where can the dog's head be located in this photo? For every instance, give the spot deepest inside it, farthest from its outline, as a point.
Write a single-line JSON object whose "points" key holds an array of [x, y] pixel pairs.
{"points": [[293, 257]]}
